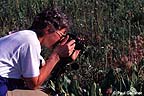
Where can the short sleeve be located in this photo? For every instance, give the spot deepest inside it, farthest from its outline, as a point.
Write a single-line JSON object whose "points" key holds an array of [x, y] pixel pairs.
{"points": [[30, 59]]}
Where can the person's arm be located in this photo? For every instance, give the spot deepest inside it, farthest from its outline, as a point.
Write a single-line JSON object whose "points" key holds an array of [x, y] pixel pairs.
{"points": [[35, 82], [63, 50]]}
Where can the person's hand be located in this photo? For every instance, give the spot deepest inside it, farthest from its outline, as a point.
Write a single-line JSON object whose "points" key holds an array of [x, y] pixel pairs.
{"points": [[65, 48], [75, 54]]}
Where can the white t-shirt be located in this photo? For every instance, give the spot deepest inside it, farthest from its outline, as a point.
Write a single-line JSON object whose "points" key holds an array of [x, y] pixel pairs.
{"points": [[20, 55]]}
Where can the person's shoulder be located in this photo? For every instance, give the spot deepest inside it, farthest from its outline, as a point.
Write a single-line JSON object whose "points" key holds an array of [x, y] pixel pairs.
{"points": [[27, 33], [27, 36]]}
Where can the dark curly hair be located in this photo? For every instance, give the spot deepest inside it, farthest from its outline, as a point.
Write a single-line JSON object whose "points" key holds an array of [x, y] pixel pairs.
{"points": [[51, 16]]}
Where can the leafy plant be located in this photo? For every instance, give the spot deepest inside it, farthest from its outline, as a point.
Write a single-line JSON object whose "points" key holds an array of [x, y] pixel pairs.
{"points": [[113, 60]]}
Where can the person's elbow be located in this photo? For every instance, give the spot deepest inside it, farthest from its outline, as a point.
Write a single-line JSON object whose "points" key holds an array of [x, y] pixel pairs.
{"points": [[34, 87], [32, 83]]}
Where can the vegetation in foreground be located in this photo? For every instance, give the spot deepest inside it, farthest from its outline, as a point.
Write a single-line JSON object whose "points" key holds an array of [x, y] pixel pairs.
{"points": [[113, 60]]}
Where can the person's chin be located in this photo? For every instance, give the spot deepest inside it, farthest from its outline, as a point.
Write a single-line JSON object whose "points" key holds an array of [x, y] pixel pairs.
{"points": [[54, 45], [49, 47]]}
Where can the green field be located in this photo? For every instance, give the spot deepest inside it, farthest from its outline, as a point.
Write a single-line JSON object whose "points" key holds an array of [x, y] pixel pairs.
{"points": [[113, 59]]}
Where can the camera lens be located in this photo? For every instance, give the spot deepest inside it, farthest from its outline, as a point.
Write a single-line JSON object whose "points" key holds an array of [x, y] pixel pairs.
{"points": [[79, 43]]}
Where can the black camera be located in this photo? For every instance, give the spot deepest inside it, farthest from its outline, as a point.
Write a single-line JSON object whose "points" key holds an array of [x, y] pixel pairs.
{"points": [[80, 44]]}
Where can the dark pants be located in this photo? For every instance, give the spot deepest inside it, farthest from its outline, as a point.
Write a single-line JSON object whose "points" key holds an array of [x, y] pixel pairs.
{"points": [[10, 84]]}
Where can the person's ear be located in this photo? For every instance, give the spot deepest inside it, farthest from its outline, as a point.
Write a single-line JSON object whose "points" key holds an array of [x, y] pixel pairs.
{"points": [[49, 29], [46, 30]]}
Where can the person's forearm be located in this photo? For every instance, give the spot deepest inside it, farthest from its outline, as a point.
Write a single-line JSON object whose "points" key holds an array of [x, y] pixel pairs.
{"points": [[44, 71], [47, 68]]}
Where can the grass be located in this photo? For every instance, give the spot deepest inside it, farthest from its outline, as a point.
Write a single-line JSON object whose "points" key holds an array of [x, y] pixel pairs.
{"points": [[114, 32]]}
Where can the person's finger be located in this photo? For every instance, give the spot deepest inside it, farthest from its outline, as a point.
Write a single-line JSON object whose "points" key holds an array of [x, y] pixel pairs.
{"points": [[72, 42], [75, 54], [64, 41]]}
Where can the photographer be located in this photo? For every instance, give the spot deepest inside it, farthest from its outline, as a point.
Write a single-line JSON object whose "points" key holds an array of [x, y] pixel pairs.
{"points": [[20, 51]]}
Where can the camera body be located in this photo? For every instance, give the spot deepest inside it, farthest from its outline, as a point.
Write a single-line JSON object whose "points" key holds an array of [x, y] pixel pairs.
{"points": [[60, 67], [79, 44]]}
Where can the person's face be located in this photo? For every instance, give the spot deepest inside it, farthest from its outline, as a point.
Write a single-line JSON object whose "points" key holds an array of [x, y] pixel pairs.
{"points": [[51, 38]]}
